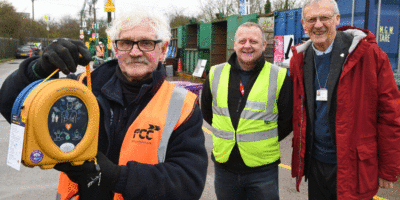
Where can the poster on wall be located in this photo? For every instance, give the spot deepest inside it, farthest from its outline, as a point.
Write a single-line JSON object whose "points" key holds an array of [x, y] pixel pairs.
{"points": [[282, 51], [278, 50], [201, 65]]}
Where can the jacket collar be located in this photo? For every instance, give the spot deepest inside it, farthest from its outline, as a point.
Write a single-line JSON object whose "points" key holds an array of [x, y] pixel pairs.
{"points": [[308, 79], [340, 50]]}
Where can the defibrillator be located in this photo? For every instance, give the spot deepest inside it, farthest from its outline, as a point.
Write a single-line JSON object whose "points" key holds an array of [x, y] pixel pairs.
{"points": [[61, 120]]}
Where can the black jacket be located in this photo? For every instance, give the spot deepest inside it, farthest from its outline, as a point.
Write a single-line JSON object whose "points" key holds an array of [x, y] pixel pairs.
{"points": [[181, 176], [236, 103]]}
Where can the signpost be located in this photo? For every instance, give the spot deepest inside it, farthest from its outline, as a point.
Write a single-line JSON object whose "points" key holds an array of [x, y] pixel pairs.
{"points": [[46, 19], [109, 8]]}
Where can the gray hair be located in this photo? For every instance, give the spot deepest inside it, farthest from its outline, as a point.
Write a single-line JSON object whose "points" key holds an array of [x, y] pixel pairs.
{"points": [[128, 20], [248, 25], [308, 2]]}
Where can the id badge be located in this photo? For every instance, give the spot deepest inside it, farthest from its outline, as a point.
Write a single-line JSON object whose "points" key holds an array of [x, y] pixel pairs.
{"points": [[322, 94]]}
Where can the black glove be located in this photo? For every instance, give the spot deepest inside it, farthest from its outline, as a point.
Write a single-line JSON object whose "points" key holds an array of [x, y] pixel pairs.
{"points": [[92, 179], [63, 54]]}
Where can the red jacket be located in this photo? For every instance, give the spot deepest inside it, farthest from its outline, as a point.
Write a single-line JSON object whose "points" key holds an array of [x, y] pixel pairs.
{"points": [[363, 112]]}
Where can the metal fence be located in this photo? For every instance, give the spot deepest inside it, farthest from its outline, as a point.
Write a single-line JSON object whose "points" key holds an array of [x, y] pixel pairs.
{"points": [[45, 41], [8, 46]]}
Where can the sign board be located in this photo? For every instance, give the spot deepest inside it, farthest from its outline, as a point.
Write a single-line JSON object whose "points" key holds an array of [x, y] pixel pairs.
{"points": [[81, 36], [278, 49], [93, 35], [244, 8], [109, 7], [46, 18], [201, 65], [95, 26], [282, 51]]}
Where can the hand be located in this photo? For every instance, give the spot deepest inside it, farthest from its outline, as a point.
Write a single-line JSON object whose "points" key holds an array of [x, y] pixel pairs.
{"points": [[64, 55], [385, 184], [104, 174]]}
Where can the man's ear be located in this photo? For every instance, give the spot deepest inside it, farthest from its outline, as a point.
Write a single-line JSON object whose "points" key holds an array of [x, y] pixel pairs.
{"points": [[164, 49], [304, 26]]}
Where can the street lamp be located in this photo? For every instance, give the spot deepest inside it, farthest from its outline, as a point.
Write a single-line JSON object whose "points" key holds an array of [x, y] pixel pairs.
{"points": [[33, 12]]}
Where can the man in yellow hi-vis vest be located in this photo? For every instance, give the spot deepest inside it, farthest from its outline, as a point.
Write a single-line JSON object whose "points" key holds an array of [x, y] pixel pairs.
{"points": [[151, 144], [248, 103]]}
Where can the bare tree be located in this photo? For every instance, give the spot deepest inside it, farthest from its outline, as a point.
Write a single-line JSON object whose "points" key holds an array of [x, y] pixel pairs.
{"points": [[280, 5], [257, 6], [209, 9], [177, 17]]}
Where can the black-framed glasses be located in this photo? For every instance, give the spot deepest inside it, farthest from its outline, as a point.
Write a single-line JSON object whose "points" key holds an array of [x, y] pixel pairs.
{"points": [[143, 45], [322, 19]]}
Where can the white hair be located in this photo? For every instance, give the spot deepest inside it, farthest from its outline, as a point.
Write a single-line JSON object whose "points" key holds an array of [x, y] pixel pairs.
{"points": [[131, 19], [308, 2]]}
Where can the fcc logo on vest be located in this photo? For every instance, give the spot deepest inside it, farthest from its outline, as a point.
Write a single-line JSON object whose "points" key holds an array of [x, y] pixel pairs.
{"points": [[146, 133]]}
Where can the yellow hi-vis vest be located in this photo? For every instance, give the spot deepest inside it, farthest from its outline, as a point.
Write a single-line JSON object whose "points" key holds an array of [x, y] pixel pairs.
{"points": [[257, 131]]}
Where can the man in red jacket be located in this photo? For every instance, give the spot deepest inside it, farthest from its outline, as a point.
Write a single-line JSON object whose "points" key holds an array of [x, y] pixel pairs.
{"points": [[346, 109]]}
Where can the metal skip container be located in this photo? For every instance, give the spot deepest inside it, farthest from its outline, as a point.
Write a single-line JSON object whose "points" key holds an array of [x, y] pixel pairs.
{"points": [[381, 17], [288, 32], [197, 45]]}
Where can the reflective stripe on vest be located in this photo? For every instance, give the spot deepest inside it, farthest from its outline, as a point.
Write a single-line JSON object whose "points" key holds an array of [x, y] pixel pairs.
{"points": [[257, 128], [146, 140]]}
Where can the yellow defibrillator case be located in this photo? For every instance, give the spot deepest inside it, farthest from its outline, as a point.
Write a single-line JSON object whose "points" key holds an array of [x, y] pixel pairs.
{"points": [[61, 119]]}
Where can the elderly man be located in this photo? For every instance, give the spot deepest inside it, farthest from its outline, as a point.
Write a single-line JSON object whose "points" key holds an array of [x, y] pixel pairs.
{"points": [[346, 110], [167, 160], [248, 103]]}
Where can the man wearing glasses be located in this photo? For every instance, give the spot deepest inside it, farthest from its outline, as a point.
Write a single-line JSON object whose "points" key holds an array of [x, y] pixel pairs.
{"points": [[151, 145], [346, 109]]}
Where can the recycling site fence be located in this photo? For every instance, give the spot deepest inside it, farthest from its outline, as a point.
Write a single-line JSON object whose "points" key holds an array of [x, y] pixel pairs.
{"points": [[8, 46]]}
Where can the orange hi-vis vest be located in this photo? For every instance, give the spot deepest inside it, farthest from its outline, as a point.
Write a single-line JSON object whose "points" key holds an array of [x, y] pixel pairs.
{"points": [[146, 140], [99, 51]]}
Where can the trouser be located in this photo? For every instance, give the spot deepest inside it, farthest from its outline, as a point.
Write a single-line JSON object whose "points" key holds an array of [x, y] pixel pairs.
{"points": [[248, 186], [322, 181]]}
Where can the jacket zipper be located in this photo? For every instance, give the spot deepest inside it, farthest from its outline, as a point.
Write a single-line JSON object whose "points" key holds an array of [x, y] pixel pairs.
{"points": [[301, 127]]}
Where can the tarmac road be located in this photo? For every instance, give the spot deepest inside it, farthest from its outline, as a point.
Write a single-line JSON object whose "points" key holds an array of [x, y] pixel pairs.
{"points": [[37, 184]]}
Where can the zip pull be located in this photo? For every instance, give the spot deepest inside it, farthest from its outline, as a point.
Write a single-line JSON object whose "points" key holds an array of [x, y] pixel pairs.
{"points": [[240, 101], [98, 177]]}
